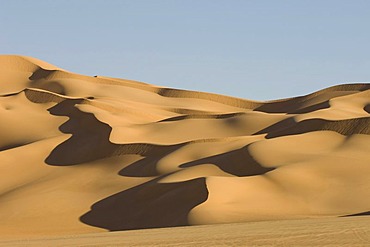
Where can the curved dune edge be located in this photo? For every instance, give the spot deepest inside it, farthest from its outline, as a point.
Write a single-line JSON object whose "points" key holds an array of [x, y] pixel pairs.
{"points": [[84, 154]]}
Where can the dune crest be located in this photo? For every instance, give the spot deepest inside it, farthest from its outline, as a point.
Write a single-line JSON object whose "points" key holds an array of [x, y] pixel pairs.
{"points": [[85, 154]]}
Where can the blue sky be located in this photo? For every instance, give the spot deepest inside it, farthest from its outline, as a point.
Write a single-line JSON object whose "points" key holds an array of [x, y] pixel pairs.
{"points": [[250, 49]]}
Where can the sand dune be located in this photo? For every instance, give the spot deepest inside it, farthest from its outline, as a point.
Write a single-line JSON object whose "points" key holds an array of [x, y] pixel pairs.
{"points": [[84, 154]]}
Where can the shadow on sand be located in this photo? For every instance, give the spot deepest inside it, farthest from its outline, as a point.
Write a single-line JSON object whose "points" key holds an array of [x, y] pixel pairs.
{"points": [[291, 127], [89, 140], [237, 162], [149, 205], [367, 213]]}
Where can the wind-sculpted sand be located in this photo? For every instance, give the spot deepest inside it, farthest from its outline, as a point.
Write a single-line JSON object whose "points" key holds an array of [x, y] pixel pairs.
{"points": [[84, 154]]}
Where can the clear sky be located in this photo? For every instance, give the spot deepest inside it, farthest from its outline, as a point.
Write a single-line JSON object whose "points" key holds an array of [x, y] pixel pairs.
{"points": [[250, 49]]}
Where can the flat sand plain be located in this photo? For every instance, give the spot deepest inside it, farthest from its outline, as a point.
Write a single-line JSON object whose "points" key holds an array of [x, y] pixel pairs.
{"points": [[346, 231]]}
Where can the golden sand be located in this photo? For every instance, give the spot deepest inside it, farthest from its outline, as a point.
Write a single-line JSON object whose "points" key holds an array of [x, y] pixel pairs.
{"points": [[82, 154]]}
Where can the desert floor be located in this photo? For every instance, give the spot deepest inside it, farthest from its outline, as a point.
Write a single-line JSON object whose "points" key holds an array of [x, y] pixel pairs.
{"points": [[346, 231]]}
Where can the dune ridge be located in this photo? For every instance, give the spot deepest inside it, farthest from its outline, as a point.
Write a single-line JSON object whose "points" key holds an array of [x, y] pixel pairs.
{"points": [[84, 154]]}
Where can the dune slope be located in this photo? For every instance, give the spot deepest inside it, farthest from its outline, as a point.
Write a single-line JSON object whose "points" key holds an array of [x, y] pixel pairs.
{"points": [[82, 154]]}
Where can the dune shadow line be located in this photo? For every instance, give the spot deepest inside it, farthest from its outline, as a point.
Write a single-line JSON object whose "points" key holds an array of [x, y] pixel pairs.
{"points": [[367, 213], [149, 205], [147, 167], [89, 140], [237, 162], [291, 127], [367, 108]]}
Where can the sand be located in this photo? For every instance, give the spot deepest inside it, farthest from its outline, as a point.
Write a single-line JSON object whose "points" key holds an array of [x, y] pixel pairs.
{"points": [[84, 155], [347, 231]]}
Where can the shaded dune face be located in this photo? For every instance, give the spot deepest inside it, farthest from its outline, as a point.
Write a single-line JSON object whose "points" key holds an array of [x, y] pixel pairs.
{"points": [[367, 108], [89, 140], [113, 154], [344, 127], [238, 158], [358, 214], [149, 205]]}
